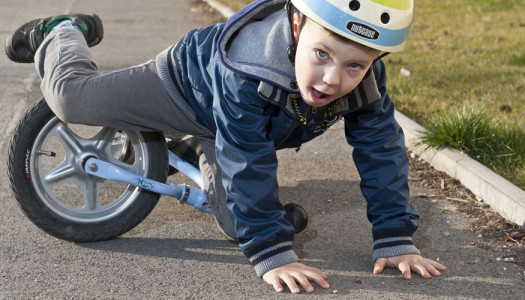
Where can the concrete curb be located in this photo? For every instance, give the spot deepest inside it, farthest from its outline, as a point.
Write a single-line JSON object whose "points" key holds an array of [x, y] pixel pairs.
{"points": [[502, 196]]}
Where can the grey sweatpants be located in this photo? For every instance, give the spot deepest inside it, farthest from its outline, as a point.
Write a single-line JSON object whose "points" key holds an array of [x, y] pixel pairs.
{"points": [[130, 99]]}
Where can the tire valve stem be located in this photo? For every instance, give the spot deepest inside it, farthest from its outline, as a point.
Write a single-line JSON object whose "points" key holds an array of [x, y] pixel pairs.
{"points": [[48, 153]]}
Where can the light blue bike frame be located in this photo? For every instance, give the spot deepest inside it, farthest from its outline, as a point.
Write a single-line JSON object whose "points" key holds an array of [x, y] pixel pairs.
{"points": [[182, 192]]}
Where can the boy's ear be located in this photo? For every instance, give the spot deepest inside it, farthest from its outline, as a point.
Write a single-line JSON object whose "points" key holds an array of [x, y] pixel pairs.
{"points": [[296, 26]]}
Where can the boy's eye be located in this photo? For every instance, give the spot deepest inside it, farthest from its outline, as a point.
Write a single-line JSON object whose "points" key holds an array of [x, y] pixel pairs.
{"points": [[321, 54], [354, 66]]}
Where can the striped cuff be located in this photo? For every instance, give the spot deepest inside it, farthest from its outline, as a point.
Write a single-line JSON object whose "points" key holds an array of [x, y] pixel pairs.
{"points": [[387, 247], [273, 257]]}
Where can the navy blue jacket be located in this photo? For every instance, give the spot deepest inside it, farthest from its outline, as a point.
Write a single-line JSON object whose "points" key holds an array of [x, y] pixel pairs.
{"points": [[239, 81]]}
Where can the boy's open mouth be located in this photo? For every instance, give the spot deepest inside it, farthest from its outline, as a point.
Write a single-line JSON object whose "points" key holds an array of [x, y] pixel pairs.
{"points": [[318, 96]]}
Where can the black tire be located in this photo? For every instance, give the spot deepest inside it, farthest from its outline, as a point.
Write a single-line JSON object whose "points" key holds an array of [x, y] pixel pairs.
{"points": [[51, 199]]}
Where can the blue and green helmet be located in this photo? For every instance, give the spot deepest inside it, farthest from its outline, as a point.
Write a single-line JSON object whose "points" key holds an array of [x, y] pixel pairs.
{"points": [[379, 24]]}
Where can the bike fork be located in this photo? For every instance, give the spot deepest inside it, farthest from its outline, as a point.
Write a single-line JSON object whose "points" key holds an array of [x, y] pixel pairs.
{"points": [[182, 192]]}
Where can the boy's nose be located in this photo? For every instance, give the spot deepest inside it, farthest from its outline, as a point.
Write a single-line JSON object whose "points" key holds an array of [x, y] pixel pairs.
{"points": [[331, 76]]}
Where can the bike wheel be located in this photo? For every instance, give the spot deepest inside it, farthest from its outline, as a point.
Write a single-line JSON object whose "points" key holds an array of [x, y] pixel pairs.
{"points": [[46, 174]]}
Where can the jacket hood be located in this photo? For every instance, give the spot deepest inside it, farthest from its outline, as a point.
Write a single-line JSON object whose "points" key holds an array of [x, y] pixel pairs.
{"points": [[255, 41]]}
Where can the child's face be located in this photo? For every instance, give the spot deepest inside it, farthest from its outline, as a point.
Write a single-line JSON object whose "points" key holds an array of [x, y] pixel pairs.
{"points": [[327, 67]]}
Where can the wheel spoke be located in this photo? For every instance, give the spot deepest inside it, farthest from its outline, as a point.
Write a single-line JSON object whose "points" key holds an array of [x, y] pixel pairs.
{"points": [[68, 139], [104, 138], [91, 192], [134, 168], [61, 174]]}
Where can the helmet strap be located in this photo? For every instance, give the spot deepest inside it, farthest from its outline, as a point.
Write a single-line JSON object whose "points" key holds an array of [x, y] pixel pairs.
{"points": [[292, 48], [380, 56]]}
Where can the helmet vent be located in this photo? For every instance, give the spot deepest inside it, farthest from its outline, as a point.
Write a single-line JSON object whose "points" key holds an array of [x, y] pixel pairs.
{"points": [[385, 18], [354, 5]]}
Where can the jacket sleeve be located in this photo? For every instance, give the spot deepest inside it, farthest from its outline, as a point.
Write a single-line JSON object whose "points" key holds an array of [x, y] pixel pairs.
{"points": [[380, 156], [247, 157]]}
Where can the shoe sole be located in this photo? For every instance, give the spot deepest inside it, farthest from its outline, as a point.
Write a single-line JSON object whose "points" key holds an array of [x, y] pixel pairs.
{"points": [[99, 34], [11, 55], [9, 51]]}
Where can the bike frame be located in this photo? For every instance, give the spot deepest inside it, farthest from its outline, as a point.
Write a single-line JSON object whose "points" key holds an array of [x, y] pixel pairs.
{"points": [[182, 192]]}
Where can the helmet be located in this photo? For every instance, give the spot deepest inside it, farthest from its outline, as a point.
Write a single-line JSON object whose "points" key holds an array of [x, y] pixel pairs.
{"points": [[378, 24]]}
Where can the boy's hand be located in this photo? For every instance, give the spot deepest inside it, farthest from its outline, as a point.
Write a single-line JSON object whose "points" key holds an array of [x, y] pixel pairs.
{"points": [[405, 263], [294, 273]]}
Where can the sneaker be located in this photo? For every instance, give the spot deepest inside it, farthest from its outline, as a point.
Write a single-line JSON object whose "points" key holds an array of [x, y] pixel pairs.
{"points": [[297, 216], [22, 44], [216, 198]]}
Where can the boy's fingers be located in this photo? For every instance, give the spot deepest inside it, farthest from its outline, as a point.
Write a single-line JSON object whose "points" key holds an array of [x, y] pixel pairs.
{"points": [[322, 283], [304, 282], [292, 285], [438, 265], [278, 287], [380, 265], [432, 269], [294, 276], [407, 263], [275, 283], [316, 270], [405, 270], [421, 270], [319, 279]]}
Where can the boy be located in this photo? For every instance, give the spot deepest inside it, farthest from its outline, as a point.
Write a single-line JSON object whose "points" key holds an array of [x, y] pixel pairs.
{"points": [[268, 79]]}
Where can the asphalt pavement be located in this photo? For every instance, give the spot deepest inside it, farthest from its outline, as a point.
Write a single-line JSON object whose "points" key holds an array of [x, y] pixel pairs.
{"points": [[178, 252]]}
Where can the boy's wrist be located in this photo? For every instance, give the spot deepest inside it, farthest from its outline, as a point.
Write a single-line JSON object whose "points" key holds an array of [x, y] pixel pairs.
{"points": [[393, 242], [273, 257], [389, 247]]}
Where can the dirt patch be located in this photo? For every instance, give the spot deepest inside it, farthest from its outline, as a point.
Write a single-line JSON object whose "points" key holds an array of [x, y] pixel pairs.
{"points": [[494, 230]]}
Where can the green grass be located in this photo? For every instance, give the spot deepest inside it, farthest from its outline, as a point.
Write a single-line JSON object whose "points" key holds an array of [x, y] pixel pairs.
{"points": [[466, 51], [463, 53], [473, 131], [467, 56]]}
